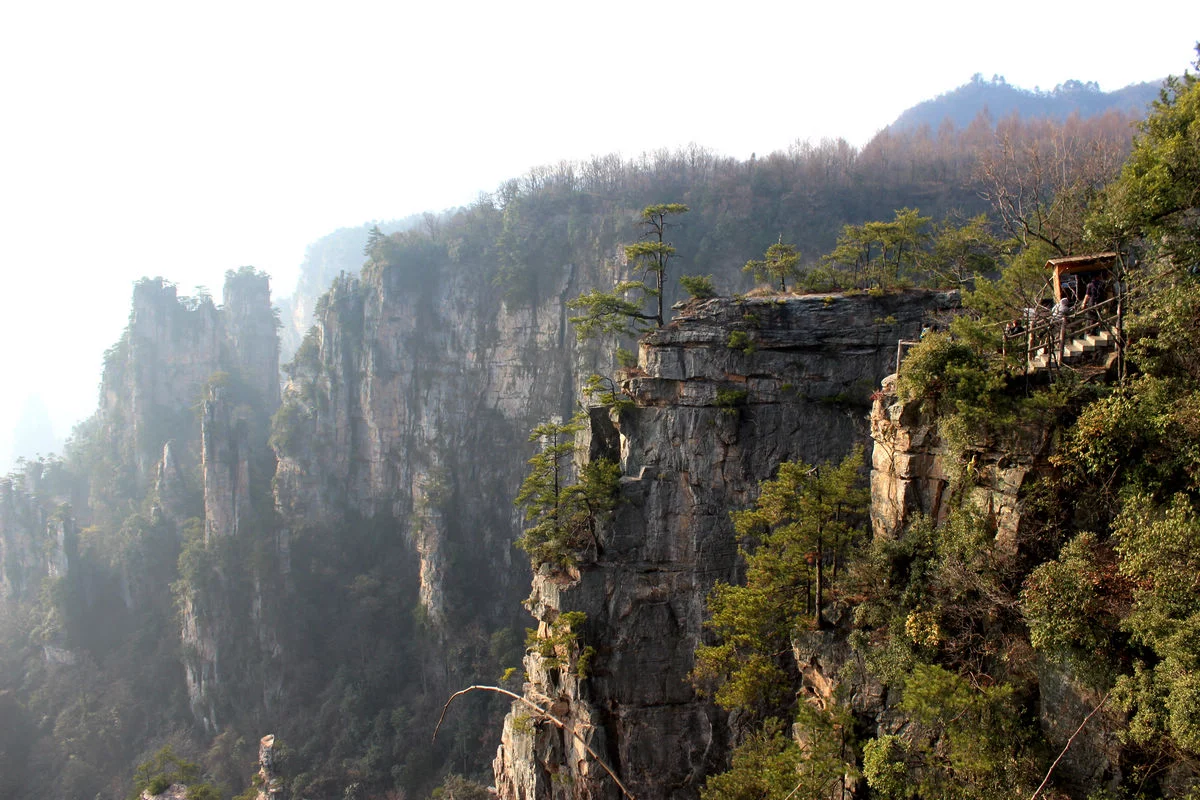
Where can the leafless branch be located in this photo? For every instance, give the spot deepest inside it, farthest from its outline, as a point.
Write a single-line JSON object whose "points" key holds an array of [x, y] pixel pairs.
{"points": [[541, 711], [1067, 746]]}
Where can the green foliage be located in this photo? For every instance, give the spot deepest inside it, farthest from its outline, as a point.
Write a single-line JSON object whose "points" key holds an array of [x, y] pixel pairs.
{"points": [[161, 770], [626, 359], [731, 401], [880, 254], [456, 787], [938, 594], [1165, 330], [942, 368], [561, 514], [772, 763], [885, 768], [967, 390], [611, 312], [202, 791], [559, 645], [972, 743], [1158, 190], [780, 263], [1073, 606], [1144, 435], [287, 427], [700, 287], [767, 764], [804, 517], [1023, 283], [604, 390], [1160, 554], [543, 493], [740, 340], [962, 253]]}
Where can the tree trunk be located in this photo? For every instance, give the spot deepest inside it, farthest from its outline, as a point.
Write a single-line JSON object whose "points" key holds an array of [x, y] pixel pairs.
{"points": [[820, 582]]}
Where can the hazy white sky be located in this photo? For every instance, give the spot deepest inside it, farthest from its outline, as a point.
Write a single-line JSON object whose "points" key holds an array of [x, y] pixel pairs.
{"points": [[184, 139]]}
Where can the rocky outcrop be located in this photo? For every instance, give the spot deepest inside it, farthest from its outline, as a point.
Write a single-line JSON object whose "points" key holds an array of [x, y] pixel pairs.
{"points": [[22, 528], [413, 402], [915, 471], [38, 537], [268, 781], [154, 376], [178, 354], [170, 486], [251, 332], [176, 791], [225, 611], [722, 396], [225, 444]]}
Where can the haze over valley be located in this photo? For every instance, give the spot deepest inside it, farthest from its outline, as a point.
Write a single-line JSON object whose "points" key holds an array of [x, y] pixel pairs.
{"points": [[546, 403]]}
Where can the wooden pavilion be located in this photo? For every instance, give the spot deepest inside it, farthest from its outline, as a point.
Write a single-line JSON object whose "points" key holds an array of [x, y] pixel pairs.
{"points": [[1071, 274]]}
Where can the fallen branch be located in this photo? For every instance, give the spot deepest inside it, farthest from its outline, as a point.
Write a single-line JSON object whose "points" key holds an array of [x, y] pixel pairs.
{"points": [[543, 712], [1067, 746]]}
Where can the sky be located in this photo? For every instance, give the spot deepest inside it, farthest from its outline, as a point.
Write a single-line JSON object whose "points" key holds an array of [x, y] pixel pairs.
{"points": [[185, 139]]}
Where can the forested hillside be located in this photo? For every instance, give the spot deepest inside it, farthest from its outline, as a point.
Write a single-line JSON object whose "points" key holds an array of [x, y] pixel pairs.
{"points": [[1017, 598], [213, 560]]}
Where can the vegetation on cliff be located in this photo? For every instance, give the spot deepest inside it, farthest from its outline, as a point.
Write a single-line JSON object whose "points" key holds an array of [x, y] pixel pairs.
{"points": [[968, 629], [318, 630]]}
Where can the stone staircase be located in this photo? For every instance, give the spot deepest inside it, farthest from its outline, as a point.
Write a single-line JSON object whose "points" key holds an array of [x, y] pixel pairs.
{"points": [[1097, 341]]}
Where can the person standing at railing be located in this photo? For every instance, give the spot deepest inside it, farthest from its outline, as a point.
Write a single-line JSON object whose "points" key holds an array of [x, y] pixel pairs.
{"points": [[1092, 297], [1060, 314]]}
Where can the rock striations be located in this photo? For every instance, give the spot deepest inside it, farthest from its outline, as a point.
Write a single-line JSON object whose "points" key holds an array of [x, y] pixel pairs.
{"points": [[721, 396], [413, 403]]}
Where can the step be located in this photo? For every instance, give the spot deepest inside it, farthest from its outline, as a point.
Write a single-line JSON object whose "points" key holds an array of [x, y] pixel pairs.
{"points": [[1088, 343]]}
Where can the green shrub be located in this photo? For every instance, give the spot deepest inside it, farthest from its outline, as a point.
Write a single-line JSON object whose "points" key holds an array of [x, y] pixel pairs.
{"points": [[740, 340], [731, 401], [700, 287], [158, 784]]}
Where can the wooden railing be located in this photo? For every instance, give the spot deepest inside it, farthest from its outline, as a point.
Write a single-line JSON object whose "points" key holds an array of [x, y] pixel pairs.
{"points": [[1047, 333]]}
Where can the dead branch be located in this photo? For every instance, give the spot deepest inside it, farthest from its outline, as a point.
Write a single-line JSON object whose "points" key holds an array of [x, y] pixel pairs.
{"points": [[1067, 746], [543, 712]]}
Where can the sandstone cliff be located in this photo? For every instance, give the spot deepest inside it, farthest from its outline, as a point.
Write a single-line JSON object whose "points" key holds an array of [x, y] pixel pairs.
{"points": [[38, 536], [713, 415], [413, 403], [148, 462], [915, 471]]}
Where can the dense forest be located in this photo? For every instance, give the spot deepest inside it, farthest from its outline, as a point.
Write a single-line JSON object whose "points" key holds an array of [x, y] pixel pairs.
{"points": [[212, 560]]}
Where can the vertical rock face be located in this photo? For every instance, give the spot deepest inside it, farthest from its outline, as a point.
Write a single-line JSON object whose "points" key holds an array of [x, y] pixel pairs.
{"points": [[22, 527], [252, 333], [222, 615], [38, 535], [176, 354], [170, 486], [270, 787], [914, 472], [709, 422], [408, 401], [912, 469], [38, 541], [154, 376], [225, 441]]}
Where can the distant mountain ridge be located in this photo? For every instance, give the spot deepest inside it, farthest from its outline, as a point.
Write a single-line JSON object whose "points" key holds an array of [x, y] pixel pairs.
{"points": [[1001, 98]]}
